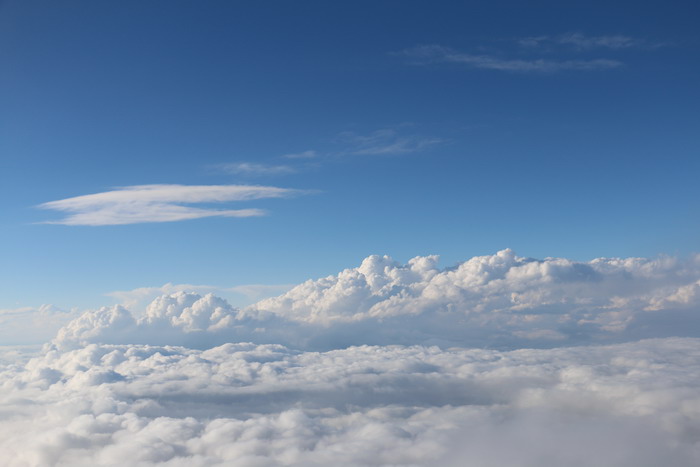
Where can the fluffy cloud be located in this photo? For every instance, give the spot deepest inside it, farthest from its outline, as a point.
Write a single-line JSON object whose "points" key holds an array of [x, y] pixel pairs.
{"points": [[500, 300], [160, 203], [501, 297], [624, 405], [195, 381]]}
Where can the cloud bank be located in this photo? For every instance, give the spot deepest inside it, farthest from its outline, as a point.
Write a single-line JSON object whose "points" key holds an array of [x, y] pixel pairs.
{"points": [[501, 300], [160, 203], [500, 360]]}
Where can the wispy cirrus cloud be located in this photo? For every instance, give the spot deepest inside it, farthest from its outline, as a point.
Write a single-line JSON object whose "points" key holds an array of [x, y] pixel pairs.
{"points": [[385, 141], [256, 169], [160, 203], [381, 142], [310, 154], [426, 54], [583, 42]]}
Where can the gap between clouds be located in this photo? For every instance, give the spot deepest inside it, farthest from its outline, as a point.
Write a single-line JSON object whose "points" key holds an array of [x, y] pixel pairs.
{"points": [[161, 203]]}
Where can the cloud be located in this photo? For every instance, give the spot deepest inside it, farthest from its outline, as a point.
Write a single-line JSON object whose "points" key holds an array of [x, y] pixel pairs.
{"points": [[310, 154], [625, 405], [583, 42], [427, 54], [384, 142], [253, 169], [137, 299], [160, 203], [499, 300], [287, 381], [259, 291]]}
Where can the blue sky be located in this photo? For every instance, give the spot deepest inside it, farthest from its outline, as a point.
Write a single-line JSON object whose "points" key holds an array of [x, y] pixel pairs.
{"points": [[402, 128]]}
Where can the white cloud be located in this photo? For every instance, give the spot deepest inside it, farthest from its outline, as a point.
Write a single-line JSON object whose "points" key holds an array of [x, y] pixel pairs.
{"points": [[160, 203], [253, 169], [384, 142], [195, 381], [438, 54], [260, 291], [310, 154], [240, 404], [497, 300], [582, 41], [137, 299]]}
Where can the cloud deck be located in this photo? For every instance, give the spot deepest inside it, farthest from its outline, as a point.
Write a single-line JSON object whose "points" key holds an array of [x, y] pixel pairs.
{"points": [[572, 378]]}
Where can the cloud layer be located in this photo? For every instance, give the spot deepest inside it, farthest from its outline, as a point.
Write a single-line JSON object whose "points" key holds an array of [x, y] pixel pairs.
{"points": [[160, 203], [454, 376], [242, 404]]}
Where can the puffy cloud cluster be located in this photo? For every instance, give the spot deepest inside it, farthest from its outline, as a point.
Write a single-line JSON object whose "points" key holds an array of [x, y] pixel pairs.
{"points": [[504, 297], [561, 378], [633, 404], [500, 300]]}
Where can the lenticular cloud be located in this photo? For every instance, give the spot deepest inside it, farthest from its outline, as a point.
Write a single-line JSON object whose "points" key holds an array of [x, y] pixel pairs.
{"points": [[499, 361]]}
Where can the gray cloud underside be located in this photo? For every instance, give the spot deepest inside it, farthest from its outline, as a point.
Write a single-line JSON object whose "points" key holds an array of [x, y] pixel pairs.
{"points": [[160, 203]]}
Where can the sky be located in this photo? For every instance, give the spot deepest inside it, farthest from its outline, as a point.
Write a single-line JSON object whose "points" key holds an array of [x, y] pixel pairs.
{"points": [[357, 234], [396, 128]]}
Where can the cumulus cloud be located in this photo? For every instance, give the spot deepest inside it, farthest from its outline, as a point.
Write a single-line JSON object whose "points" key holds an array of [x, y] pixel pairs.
{"points": [[257, 292], [138, 299], [160, 203], [195, 381], [499, 300], [425, 54]]}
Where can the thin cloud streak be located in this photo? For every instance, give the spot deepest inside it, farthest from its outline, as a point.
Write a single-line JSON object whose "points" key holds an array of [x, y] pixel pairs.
{"points": [[426, 54], [384, 142], [310, 154], [581, 41], [254, 169], [160, 203]]}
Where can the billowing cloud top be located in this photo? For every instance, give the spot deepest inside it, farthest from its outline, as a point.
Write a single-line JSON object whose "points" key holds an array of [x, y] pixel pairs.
{"points": [[160, 203], [498, 300]]}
